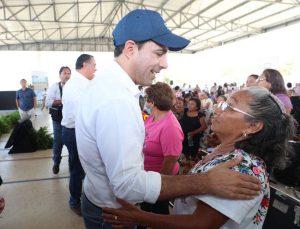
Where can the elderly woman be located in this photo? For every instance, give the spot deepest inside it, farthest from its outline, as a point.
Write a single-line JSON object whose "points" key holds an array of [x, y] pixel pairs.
{"points": [[163, 139], [260, 135], [273, 81]]}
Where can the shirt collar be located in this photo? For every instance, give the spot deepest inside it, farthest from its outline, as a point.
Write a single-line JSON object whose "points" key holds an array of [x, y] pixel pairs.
{"points": [[79, 76], [126, 80]]}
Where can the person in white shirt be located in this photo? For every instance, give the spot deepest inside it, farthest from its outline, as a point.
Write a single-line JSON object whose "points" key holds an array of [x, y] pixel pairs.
{"points": [[110, 131], [53, 102], [44, 95], [72, 93]]}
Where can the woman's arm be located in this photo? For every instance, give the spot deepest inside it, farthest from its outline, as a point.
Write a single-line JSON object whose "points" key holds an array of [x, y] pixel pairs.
{"points": [[203, 217], [168, 165], [201, 128]]}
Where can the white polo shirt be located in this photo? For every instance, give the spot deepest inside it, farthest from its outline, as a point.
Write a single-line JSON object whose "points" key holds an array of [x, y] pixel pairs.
{"points": [[110, 135]]}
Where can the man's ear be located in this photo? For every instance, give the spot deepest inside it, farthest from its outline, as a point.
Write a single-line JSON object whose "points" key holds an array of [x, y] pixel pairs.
{"points": [[130, 48], [84, 64]]}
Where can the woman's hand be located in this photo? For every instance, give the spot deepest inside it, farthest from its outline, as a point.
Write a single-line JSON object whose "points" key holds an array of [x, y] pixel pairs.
{"points": [[123, 217], [190, 135]]}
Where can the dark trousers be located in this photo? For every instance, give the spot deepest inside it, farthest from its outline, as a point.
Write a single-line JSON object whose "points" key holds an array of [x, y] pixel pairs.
{"points": [[75, 168], [57, 142], [92, 215]]}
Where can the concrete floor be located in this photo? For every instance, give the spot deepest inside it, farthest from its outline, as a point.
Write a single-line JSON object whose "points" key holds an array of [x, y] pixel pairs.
{"points": [[35, 198]]}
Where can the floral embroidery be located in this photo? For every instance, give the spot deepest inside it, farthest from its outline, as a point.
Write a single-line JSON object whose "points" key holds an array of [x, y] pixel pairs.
{"points": [[251, 165], [256, 170], [265, 202]]}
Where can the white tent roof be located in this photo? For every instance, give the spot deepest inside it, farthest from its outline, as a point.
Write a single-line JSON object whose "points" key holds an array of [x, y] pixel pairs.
{"points": [[86, 25]]}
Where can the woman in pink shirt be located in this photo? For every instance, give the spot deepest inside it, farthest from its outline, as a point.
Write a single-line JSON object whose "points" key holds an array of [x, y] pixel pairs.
{"points": [[163, 139]]}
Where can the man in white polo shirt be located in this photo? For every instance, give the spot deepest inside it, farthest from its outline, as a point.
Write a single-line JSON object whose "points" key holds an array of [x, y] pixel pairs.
{"points": [[110, 130]]}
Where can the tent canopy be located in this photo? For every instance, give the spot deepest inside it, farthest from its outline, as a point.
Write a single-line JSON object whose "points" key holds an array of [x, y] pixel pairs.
{"points": [[86, 25]]}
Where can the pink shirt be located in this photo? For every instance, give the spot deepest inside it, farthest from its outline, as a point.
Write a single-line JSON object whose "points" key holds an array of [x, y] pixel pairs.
{"points": [[163, 138]]}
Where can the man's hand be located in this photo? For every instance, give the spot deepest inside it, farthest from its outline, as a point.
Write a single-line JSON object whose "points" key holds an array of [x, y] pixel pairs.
{"points": [[124, 217], [224, 182]]}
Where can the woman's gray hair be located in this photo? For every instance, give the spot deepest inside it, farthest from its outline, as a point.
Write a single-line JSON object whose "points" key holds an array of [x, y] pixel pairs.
{"points": [[270, 143]]}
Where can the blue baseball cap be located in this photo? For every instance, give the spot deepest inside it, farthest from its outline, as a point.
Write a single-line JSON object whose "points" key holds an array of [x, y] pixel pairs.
{"points": [[142, 25]]}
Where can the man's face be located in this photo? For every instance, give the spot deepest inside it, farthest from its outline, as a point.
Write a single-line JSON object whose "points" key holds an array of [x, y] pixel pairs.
{"points": [[148, 61], [65, 75], [23, 83], [90, 68], [251, 81]]}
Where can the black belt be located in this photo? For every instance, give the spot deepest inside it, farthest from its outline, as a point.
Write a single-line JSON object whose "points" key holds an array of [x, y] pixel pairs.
{"points": [[91, 202]]}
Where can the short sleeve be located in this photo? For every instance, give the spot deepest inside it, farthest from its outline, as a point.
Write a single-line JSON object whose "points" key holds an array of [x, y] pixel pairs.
{"points": [[171, 140], [33, 93], [237, 210]]}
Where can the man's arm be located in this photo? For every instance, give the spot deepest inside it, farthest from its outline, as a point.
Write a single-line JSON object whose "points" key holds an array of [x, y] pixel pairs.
{"points": [[17, 99], [51, 100], [220, 181], [56, 103], [34, 102], [17, 103]]}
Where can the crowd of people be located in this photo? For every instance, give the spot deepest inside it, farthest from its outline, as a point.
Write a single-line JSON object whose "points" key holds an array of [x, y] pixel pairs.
{"points": [[130, 144]]}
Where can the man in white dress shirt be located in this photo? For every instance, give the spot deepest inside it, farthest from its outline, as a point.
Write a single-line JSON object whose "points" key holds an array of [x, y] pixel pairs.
{"points": [[72, 93], [53, 102], [110, 130]]}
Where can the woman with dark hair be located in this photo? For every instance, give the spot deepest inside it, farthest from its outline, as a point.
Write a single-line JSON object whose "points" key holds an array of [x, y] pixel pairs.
{"points": [[220, 91], [163, 138], [274, 82], [193, 124], [178, 108], [260, 135]]}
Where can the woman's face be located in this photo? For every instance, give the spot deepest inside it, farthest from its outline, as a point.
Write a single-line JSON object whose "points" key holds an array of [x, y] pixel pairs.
{"points": [[192, 106], [231, 123], [179, 104], [262, 82], [186, 99]]}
